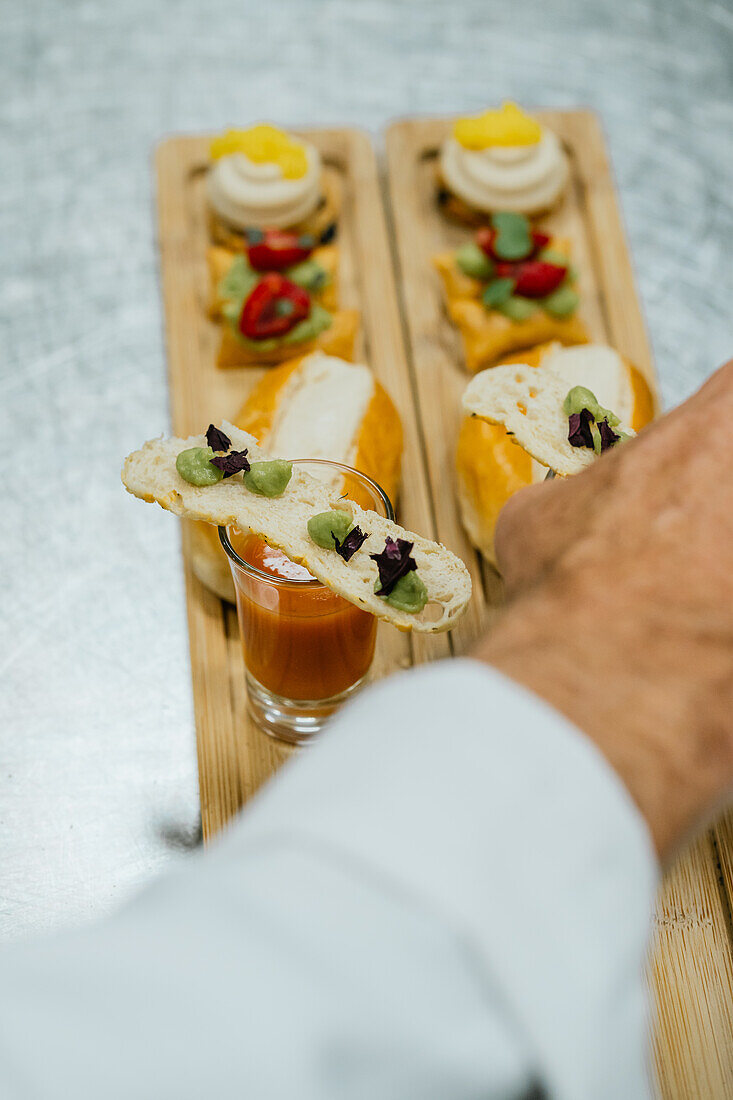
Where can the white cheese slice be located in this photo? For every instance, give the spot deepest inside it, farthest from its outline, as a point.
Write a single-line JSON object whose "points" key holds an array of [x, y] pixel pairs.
{"points": [[539, 472], [321, 410], [601, 370]]}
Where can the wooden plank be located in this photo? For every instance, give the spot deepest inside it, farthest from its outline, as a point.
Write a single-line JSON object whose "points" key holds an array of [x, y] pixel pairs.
{"points": [[691, 977], [723, 842], [234, 756], [690, 966]]}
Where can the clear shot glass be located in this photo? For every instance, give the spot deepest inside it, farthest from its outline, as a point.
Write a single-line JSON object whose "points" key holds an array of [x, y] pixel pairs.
{"points": [[306, 650]]}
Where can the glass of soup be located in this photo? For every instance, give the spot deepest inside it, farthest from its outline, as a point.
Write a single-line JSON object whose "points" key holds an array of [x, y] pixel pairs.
{"points": [[306, 650]]}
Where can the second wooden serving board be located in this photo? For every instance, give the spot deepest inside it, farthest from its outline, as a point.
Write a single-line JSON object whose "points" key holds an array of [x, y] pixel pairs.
{"points": [[386, 273], [234, 756], [690, 964]]}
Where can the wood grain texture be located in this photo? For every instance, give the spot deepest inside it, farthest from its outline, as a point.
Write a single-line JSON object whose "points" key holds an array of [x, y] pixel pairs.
{"points": [[690, 964], [692, 980], [234, 757]]}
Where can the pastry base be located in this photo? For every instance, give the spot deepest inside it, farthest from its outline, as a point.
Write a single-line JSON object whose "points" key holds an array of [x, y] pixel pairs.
{"points": [[488, 335], [337, 340], [316, 224], [459, 285]]}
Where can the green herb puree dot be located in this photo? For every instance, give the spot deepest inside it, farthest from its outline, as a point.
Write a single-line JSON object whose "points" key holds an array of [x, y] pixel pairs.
{"points": [[268, 479], [580, 397], [194, 466], [517, 308], [323, 526], [473, 261], [562, 302], [409, 594]]}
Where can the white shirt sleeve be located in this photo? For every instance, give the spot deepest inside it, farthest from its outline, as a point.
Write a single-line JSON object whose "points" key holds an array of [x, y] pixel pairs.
{"points": [[446, 898]]}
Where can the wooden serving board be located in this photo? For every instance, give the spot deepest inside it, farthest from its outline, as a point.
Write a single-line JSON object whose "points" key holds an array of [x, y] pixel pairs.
{"points": [[416, 354], [235, 757], [690, 964]]}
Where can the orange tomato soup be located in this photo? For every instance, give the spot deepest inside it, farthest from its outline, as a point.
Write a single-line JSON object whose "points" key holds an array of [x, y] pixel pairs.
{"points": [[300, 641]]}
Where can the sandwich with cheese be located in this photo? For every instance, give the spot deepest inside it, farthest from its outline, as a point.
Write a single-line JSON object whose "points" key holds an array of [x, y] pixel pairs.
{"points": [[317, 406], [517, 425]]}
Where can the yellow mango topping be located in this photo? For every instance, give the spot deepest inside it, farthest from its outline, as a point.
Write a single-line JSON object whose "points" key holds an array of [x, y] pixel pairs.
{"points": [[264, 144], [509, 125]]}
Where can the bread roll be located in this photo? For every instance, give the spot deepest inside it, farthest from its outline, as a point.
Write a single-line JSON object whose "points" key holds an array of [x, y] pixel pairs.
{"points": [[491, 465], [316, 406]]}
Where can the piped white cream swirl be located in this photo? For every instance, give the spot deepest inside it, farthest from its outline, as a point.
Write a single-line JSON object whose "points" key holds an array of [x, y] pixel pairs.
{"points": [[525, 179], [245, 194]]}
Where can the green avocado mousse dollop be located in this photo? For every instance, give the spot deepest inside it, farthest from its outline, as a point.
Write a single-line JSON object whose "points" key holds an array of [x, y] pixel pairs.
{"points": [[268, 479], [409, 594], [398, 583], [194, 466], [580, 397], [325, 525], [589, 424]]}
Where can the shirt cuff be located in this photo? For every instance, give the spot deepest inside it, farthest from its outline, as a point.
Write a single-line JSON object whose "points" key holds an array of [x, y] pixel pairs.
{"points": [[454, 783]]}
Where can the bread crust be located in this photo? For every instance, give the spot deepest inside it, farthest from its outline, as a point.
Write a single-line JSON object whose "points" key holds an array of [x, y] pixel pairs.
{"points": [[645, 405], [378, 452], [481, 449], [378, 444], [258, 412]]}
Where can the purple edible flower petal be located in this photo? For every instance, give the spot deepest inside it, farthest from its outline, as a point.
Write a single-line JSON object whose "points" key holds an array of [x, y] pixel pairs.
{"points": [[393, 562], [231, 463], [355, 538], [579, 433], [217, 440], [608, 435]]}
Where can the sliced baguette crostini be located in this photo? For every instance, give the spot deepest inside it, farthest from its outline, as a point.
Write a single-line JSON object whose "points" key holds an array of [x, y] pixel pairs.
{"points": [[151, 474], [529, 403]]}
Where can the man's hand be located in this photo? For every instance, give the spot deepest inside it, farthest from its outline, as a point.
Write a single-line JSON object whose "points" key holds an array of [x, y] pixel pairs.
{"points": [[621, 607]]}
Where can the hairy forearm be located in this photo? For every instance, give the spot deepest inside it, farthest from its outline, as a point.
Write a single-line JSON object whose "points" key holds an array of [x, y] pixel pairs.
{"points": [[651, 688]]}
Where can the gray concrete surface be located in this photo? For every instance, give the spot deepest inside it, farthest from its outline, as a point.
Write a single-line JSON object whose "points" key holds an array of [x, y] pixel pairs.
{"points": [[97, 761]]}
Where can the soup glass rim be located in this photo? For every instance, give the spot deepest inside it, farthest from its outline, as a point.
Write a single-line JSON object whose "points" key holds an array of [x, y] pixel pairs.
{"points": [[292, 582]]}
